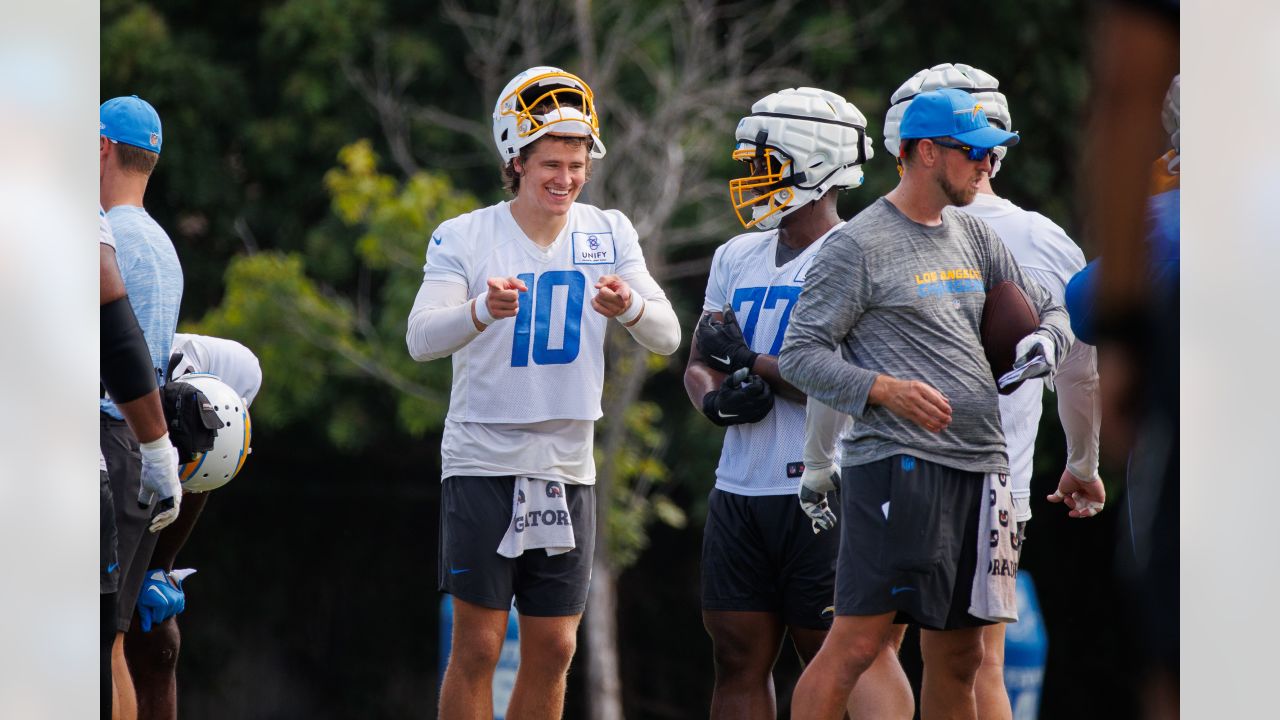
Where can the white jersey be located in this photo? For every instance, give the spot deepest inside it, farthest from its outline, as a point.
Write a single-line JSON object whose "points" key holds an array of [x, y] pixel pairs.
{"points": [[233, 363], [766, 457], [526, 391], [1049, 257]]}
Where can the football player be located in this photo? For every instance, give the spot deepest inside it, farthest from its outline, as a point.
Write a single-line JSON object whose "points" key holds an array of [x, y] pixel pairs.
{"points": [[520, 294], [765, 573]]}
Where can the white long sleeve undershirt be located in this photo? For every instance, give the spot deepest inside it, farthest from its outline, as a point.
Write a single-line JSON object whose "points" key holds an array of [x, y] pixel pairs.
{"points": [[440, 322]]}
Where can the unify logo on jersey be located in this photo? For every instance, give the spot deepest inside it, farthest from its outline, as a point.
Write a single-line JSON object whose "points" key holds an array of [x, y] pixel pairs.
{"points": [[593, 248]]}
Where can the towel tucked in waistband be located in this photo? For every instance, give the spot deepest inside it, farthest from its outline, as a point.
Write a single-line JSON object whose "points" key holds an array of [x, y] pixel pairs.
{"points": [[539, 519], [994, 595]]}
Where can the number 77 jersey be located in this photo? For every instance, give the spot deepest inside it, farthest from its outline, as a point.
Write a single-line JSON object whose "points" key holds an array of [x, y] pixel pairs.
{"points": [[766, 457], [547, 362]]}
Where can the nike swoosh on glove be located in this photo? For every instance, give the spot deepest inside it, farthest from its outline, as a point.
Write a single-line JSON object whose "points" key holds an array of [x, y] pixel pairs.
{"points": [[815, 483], [722, 344], [742, 398], [162, 596]]}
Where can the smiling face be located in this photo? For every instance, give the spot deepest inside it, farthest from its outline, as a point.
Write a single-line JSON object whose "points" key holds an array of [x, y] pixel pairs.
{"points": [[959, 177], [553, 172]]}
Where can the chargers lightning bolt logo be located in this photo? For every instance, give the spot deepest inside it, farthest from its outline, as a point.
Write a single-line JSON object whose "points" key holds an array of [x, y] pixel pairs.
{"points": [[437, 239]]}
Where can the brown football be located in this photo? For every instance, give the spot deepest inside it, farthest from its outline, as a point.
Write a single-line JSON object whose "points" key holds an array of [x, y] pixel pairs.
{"points": [[1007, 317]]}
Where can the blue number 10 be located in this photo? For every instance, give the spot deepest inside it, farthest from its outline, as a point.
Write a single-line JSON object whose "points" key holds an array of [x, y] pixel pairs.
{"points": [[533, 319]]}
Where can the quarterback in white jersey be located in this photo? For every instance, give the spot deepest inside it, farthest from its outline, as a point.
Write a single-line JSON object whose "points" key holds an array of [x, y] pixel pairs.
{"points": [[764, 571], [1049, 257], [520, 294]]}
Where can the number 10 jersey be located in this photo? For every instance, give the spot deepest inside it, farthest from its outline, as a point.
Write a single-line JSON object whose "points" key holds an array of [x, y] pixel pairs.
{"points": [[547, 362]]}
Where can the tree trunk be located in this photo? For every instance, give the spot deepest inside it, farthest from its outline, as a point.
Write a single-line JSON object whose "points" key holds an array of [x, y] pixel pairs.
{"points": [[604, 687]]}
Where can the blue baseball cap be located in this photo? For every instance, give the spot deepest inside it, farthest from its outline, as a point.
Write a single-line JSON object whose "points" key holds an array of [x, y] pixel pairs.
{"points": [[132, 121], [952, 113]]}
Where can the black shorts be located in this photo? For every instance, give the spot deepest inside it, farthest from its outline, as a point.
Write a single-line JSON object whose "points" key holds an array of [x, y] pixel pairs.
{"points": [[108, 567], [475, 513], [134, 543], [909, 542], [761, 554]]}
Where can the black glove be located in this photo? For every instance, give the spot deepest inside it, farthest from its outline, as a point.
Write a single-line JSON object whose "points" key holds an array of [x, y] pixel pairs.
{"points": [[741, 399], [721, 343]]}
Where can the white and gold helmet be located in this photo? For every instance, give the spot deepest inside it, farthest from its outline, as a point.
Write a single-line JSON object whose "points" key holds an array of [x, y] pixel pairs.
{"points": [[797, 144], [212, 469], [544, 100], [983, 87]]}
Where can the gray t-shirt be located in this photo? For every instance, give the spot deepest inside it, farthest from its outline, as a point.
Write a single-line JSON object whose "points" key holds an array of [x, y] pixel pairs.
{"points": [[904, 299]]}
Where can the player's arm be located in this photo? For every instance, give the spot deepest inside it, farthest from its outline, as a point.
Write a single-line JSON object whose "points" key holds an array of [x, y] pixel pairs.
{"points": [[726, 399], [444, 320], [125, 370], [822, 429], [124, 359], [724, 348], [643, 309]]}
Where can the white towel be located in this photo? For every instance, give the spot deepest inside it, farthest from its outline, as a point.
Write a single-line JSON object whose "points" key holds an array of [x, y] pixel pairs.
{"points": [[539, 519], [994, 595]]}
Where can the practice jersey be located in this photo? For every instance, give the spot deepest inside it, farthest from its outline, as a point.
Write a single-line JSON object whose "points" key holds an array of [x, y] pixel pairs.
{"points": [[1049, 258], [233, 363], [766, 457], [153, 280], [535, 378]]}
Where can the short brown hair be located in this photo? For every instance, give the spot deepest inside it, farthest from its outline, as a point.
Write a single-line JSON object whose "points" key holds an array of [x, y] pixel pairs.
{"points": [[135, 159], [511, 178]]}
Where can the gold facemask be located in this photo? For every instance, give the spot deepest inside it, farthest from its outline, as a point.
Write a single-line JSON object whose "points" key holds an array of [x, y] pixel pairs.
{"points": [[765, 170]]}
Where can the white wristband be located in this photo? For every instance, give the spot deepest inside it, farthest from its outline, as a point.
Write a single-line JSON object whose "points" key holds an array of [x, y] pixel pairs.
{"points": [[482, 309], [160, 443], [637, 307]]}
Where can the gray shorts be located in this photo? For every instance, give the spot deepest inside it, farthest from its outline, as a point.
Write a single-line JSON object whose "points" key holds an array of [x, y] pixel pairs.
{"points": [[134, 544], [475, 513], [909, 542], [760, 554], [108, 566]]}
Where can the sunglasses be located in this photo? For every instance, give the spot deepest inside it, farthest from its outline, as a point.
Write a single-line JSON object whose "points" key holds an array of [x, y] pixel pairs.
{"points": [[972, 153]]}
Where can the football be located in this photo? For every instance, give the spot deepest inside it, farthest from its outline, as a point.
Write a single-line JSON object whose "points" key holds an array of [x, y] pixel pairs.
{"points": [[1007, 317]]}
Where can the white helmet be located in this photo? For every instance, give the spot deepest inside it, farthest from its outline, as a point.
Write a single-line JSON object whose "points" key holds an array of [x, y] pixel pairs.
{"points": [[563, 100], [215, 468], [1170, 118], [797, 143], [982, 85]]}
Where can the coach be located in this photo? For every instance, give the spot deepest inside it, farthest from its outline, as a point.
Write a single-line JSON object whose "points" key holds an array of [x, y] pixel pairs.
{"points": [[900, 291]]}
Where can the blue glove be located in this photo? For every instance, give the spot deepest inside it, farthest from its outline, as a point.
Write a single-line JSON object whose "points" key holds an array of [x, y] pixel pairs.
{"points": [[162, 596]]}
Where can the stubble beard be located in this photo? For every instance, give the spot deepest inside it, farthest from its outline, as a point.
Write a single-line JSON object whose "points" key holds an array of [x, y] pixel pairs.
{"points": [[958, 196]]}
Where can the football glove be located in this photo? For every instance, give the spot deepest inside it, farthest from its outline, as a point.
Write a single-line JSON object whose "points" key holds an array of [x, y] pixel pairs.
{"points": [[721, 343], [160, 479], [1033, 346], [815, 483], [162, 596], [742, 398]]}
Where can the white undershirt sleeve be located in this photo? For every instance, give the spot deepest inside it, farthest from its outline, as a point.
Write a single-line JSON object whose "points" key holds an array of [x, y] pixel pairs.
{"points": [[440, 322], [823, 426], [658, 329], [1078, 408]]}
